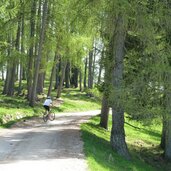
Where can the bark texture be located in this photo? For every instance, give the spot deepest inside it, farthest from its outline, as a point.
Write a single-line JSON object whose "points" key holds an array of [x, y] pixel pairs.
{"points": [[118, 133], [61, 80], [104, 112], [167, 139]]}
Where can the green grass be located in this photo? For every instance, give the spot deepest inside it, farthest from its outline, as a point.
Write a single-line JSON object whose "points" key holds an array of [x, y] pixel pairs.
{"points": [[143, 145], [74, 100], [12, 109]]}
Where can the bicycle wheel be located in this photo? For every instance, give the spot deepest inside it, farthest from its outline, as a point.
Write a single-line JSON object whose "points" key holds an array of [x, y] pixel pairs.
{"points": [[45, 117], [51, 116]]}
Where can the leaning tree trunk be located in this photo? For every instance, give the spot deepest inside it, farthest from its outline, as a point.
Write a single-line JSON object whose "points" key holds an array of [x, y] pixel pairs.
{"points": [[38, 60], [117, 50]]}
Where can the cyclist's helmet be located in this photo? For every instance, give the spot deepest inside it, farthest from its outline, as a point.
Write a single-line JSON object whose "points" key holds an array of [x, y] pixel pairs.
{"points": [[48, 97]]}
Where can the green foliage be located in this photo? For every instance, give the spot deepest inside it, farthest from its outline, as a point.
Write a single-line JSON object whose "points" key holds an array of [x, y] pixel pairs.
{"points": [[144, 80]]}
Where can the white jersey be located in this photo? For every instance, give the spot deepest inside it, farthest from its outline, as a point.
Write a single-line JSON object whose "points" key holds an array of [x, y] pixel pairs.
{"points": [[47, 102]]}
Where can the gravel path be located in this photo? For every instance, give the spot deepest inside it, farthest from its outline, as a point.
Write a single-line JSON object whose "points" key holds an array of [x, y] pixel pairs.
{"points": [[52, 146]]}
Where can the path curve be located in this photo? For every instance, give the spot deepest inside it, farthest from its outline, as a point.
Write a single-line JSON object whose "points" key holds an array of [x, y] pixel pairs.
{"points": [[54, 146]]}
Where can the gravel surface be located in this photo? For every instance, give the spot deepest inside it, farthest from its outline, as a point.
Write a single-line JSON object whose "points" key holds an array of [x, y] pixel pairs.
{"points": [[52, 146]]}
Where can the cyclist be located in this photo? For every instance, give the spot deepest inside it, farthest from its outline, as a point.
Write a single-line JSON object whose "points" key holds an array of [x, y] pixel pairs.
{"points": [[47, 103]]}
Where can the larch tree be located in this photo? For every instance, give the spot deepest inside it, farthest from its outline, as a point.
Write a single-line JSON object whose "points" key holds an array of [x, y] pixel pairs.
{"points": [[31, 48], [39, 56]]}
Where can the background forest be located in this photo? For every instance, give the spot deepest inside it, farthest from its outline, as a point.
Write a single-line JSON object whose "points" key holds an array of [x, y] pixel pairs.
{"points": [[118, 51]]}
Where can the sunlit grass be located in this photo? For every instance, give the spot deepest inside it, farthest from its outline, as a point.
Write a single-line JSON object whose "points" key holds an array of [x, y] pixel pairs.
{"points": [[80, 105], [143, 143], [16, 107], [74, 100]]}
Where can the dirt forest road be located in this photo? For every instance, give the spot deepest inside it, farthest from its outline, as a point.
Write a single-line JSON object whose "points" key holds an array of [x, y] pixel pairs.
{"points": [[54, 146]]}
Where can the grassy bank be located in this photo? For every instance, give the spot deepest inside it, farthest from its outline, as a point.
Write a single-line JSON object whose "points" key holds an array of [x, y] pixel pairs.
{"points": [[143, 143], [74, 100], [16, 108]]}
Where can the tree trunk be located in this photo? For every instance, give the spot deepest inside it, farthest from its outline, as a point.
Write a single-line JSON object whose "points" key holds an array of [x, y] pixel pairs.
{"points": [[118, 133], [31, 51], [3, 78], [22, 51], [167, 149], [9, 69], [81, 88], [85, 73], [40, 83], [58, 69], [38, 60], [20, 79], [100, 67], [7, 80], [163, 137], [105, 100], [67, 75], [90, 72], [104, 112], [74, 77], [52, 75], [93, 67], [100, 73], [10, 91], [61, 80]]}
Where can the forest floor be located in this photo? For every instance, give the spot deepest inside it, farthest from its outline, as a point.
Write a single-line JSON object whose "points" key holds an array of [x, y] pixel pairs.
{"points": [[34, 145]]}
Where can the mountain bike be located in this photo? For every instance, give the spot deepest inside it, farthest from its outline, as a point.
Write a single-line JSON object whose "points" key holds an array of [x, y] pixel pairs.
{"points": [[48, 115]]}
